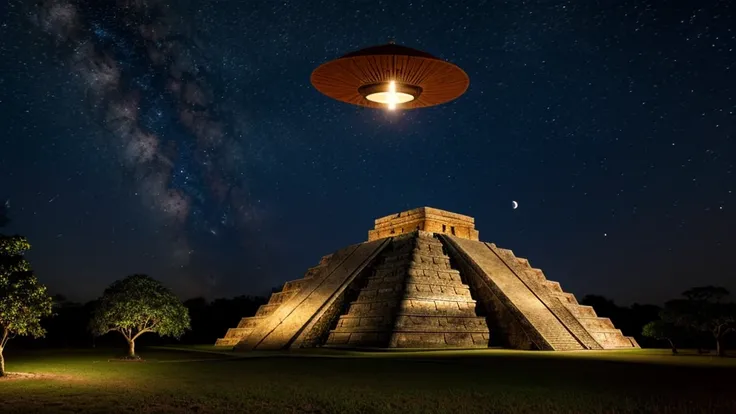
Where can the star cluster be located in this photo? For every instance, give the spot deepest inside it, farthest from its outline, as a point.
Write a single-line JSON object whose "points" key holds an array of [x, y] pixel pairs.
{"points": [[184, 140]]}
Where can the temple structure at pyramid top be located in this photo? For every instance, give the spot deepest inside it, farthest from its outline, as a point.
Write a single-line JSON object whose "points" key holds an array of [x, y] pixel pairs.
{"points": [[424, 280], [427, 219]]}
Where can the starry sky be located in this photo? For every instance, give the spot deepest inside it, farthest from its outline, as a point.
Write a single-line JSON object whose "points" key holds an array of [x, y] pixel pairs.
{"points": [[184, 140]]}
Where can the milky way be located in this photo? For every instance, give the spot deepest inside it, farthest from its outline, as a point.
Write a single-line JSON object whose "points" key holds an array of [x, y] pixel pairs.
{"points": [[147, 82]]}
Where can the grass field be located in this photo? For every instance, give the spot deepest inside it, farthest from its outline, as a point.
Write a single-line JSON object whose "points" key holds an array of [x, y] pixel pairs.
{"points": [[204, 379]]}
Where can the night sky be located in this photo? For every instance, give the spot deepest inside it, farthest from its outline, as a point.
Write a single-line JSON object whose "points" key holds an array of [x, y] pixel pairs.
{"points": [[184, 140]]}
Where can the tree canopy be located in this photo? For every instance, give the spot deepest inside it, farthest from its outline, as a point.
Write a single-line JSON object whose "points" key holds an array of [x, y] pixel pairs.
{"points": [[136, 305], [23, 301], [661, 330], [703, 311]]}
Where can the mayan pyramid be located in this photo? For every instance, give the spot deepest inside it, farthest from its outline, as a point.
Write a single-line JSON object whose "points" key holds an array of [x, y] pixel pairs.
{"points": [[424, 280]]}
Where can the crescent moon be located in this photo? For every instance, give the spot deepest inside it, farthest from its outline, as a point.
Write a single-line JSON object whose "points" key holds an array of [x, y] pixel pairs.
{"points": [[516, 205]]}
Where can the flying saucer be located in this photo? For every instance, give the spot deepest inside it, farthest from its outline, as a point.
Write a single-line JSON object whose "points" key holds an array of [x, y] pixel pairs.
{"points": [[390, 77]]}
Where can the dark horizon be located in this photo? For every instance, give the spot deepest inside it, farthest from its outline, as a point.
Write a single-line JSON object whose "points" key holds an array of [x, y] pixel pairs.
{"points": [[268, 290]]}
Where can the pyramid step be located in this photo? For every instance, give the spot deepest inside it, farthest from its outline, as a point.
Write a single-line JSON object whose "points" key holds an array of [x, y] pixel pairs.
{"points": [[553, 286], [389, 271], [384, 294], [445, 288], [398, 273], [422, 297], [278, 298], [326, 258], [537, 275], [634, 343], [411, 307], [439, 340], [436, 277], [229, 342], [581, 311], [440, 323], [374, 322], [506, 252], [558, 326], [611, 338], [417, 256], [312, 271], [418, 271], [238, 333], [566, 298], [430, 249], [249, 322], [596, 323], [444, 280], [265, 310], [431, 267], [294, 285], [428, 329], [358, 339]]}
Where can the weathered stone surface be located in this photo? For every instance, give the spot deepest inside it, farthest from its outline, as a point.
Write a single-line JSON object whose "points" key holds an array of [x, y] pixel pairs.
{"points": [[515, 294], [425, 219], [249, 322], [283, 324], [553, 299], [412, 300], [526, 293]]}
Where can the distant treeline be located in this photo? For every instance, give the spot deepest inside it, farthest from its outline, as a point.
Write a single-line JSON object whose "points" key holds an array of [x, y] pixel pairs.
{"points": [[68, 328]]}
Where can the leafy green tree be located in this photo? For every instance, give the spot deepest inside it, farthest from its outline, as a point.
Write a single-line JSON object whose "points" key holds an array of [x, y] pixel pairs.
{"points": [[23, 301], [136, 305], [661, 330]]}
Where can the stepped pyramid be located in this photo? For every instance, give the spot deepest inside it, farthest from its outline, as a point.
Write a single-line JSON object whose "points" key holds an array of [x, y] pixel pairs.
{"points": [[424, 280]]}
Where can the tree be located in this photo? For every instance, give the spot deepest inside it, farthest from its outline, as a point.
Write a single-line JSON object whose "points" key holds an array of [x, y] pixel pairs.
{"points": [[23, 301], [136, 305], [703, 311], [661, 330]]}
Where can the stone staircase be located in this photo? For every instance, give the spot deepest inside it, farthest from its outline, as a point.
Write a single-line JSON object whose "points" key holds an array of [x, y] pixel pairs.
{"points": [[591, 330], [412, 299], [248, 324], [535, 280], [527, 321]]}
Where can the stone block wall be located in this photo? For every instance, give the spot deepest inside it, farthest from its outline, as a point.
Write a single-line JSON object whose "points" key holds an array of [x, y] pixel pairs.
{"points": [[424, 219], [592, 331], [247, 324], [509, 326], [514, 292], [412, 299], [549, 293]]}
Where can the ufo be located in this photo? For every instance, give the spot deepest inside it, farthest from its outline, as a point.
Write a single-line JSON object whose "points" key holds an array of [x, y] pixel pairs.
{"points": [[390, 77]]}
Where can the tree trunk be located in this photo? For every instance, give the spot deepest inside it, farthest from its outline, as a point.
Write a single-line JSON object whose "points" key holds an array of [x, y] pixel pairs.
{"points": [[672, 345], [131, 348], [720, 351], [2, 363]]}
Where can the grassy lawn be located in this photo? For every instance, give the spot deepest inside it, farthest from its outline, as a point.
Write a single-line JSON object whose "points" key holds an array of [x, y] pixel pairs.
{"points": [[207, 379]]}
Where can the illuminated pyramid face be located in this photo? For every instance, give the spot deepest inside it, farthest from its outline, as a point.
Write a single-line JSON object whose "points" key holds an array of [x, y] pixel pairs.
{"points": [[390, 77], [424, 280]]}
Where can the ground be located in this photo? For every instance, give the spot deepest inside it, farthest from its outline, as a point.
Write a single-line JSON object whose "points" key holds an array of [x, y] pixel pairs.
{"points": [[202, 379]]}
